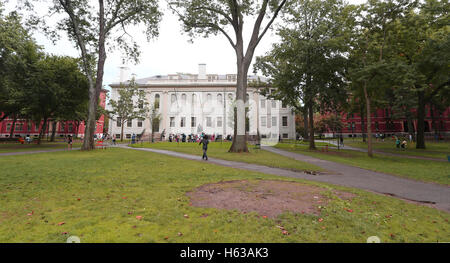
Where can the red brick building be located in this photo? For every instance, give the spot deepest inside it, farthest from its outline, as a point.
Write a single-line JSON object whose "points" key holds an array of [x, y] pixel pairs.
{"points": [[25, 127], [382, 122]]}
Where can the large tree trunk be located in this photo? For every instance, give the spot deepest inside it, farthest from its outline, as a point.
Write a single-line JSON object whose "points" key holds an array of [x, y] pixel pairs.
{"points": [[305, 123], [121, 130], [312, 145], [42, 131], [13, 126], [420, 120], [363, 134], [94, 92], [240, 139], [369, 123], [52, 138]]}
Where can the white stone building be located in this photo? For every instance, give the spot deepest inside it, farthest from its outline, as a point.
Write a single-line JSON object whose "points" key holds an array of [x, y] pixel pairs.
{"points": [[196, 103]]}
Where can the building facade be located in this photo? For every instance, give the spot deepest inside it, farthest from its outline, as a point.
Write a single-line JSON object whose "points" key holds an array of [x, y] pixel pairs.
{"points": [[24, 127], [383, 122], [196, 103]]}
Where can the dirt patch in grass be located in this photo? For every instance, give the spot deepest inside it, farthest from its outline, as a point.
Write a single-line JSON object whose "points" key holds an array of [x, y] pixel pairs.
{"points": [[265, 197]]}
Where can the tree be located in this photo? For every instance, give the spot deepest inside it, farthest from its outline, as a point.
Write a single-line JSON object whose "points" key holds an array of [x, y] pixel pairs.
{"points": [[370, 70], [91, 27], [131, 105], [308, 66], [217, 16]]}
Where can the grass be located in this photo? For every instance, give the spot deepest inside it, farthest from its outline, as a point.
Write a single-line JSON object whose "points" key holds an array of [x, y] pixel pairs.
{"points": [[220, 150], [17, 147], [97, 196], [438, 150], [422, 170]]}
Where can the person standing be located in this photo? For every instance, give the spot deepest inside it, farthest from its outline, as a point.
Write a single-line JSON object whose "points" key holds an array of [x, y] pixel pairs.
{"points": [[341, 138], [205, 142], [114, 139], [69, 142]]}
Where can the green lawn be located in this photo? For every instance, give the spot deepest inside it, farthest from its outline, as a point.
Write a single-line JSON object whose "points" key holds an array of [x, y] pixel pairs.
{"points": [[423, 170], [17, 147], [220, 150], [98, 195], [438, 150]]}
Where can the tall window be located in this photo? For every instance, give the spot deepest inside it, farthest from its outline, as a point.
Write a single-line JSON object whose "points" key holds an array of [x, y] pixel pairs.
{"points": [[70, 127], [274, 104], [172, 121], [285, 121], [263, 121], [183, 99], [173, 98], [183, 122], [283, 105], [219, 98], [119, 122], [157, 101], [8, 127], [129, 123], [194, 99], [193, 122], [219, 121], [139, 123], [19, 127], [208, 98], [208, 122], [62, 126], [263, 103], [274, 121]]}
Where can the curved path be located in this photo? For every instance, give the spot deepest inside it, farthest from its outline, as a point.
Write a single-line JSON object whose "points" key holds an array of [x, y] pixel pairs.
{"points": [[437, 196]]}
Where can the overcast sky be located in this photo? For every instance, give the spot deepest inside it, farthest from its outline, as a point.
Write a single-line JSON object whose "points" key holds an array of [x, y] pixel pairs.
{"points": [[171, 52]]}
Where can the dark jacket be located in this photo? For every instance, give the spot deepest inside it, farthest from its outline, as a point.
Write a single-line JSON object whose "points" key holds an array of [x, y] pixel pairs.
{"points": [[205, 143]]}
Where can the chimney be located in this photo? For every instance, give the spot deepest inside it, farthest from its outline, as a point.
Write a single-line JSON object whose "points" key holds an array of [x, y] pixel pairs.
{"points": [[123, 74], [201, 71]]}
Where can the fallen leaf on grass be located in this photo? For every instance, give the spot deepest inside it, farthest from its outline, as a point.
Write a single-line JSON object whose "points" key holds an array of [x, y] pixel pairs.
{"points": [[139, 217], [320, 219], [285, 232], [180, 234], [61, 223]]}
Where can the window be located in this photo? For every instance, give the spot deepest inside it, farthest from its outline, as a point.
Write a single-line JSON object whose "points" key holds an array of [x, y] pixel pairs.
{"points": [[29, 126], [139, 123], [117, 135], [183, 122], [274, 104], [172, 121], [208, 122], [8, 127], [173, 98], [285, 121], [157, 101], [285, 135], [194, 99], [183, 99], [119, 122], [141, 104], [219, 121], [62, 127], [274, 121], [208, 98], [263, 121], [129, 123], [263, 103], [19, 127], [230, 96], [70, 127], [128, 136], [283, 105], [193, 122], [219, 98]]}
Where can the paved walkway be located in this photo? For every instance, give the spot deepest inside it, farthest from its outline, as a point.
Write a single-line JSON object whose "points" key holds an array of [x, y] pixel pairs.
{"points": [[436, 195], [346, 147]]}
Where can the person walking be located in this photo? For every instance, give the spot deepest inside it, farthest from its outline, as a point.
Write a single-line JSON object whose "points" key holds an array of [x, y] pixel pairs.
{"points": [[341, 138], [114, 139], [205, 142]]}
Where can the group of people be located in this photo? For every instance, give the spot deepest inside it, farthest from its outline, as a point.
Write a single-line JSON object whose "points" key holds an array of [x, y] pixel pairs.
{"points": [[191, 137], [401, 144]]}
